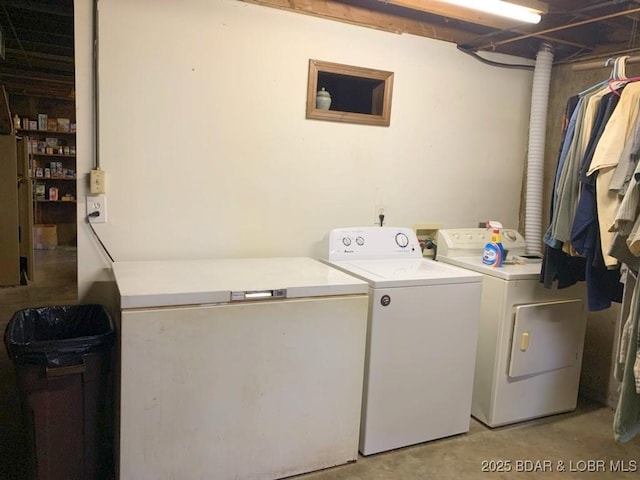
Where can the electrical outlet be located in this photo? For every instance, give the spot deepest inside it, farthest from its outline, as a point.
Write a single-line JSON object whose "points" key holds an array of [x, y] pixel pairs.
{"points": [[97, 181], [380, 210], [97, 203]]}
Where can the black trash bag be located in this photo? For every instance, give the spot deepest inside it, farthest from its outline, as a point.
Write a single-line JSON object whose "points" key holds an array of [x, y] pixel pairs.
{"points": [[58, 336]]}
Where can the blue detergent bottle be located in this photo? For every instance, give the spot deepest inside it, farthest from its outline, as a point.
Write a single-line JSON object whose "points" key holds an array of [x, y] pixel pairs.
{"points": [[493, 253]]}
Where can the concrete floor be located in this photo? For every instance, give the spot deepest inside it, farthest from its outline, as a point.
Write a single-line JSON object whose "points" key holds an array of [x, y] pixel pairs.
{"points": [[580, 442]]}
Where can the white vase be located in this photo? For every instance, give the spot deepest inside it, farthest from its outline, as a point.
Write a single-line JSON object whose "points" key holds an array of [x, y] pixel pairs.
{"points": [[323, 100]]}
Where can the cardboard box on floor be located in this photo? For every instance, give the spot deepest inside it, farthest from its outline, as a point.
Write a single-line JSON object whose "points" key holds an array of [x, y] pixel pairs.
{"points": [[45, 237]]}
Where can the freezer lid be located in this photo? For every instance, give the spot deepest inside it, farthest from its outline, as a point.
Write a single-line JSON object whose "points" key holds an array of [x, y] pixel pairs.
{"points": [[407, 272], [192, 282]]}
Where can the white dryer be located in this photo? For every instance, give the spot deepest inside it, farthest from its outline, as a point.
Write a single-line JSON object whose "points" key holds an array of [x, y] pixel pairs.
{"points": [[421, 338], [530, 339]]}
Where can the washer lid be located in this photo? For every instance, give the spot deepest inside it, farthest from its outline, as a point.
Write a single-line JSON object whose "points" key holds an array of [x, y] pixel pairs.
{"points": [[193, 282], [527, 271], [406, 272]]}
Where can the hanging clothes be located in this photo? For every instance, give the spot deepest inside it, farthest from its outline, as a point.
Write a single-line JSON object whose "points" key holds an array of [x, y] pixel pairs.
{"points": [[626, 248], [595, 219], [605, 160], [626, 227], [576, 226], [557, 266], [626, 423], [603, 284], [572, 112], [567, 189], [574, 219]]}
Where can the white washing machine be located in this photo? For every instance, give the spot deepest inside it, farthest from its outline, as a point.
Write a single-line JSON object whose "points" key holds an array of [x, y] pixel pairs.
{"points": [[238, 368], [531, 338], [421, 340]]}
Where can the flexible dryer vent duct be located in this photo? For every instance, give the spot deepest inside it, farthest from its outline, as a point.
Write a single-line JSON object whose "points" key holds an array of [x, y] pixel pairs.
{"points": [[535, 159]]}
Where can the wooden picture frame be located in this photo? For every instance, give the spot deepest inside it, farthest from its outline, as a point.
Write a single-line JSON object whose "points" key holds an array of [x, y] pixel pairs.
{"points": [[358, 95]]}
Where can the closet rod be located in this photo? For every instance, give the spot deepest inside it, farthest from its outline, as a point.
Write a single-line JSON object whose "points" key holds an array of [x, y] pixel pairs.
{"points": [[602, 64]]}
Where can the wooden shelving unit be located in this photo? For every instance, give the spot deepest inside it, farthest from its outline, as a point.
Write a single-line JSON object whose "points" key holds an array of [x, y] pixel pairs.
{"points": [[52, 172]]}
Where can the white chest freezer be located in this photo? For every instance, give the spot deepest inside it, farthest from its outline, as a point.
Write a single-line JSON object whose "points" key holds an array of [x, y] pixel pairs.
{"points": [[238, 369]]}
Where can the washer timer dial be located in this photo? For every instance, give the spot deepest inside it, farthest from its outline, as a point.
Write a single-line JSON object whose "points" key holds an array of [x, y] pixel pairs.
{"points": [[402, 240], [346, 241]]}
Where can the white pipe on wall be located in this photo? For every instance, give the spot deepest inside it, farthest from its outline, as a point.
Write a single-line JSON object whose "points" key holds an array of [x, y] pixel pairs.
{"points": [[535, 159]]}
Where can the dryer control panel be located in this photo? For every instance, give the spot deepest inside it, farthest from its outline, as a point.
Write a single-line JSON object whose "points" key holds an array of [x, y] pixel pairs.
{"points": [[458, 242], [372, 243]]}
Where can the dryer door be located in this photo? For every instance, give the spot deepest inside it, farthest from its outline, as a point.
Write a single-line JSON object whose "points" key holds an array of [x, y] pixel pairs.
{"points": [[546, 336]]}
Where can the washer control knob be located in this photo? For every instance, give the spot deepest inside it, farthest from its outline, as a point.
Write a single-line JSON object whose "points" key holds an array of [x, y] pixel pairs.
{"points": [[510, 235], [402, 240], [456, 236], [469, 236], [360, 241], [346, 241]]}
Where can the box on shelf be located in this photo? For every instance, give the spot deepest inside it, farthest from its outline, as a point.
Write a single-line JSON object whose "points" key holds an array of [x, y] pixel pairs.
{"points": [[45, 237], [33, 125], [64, 124], [52, 124], [40, 190], [42, 121]]}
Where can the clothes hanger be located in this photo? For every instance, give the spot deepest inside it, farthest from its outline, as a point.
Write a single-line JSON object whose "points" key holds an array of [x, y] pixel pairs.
{"points": [[619, 75], [604, 83], [623, 76]]}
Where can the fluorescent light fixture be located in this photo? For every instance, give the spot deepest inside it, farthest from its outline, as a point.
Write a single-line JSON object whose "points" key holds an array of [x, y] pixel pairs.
{"points": [[503, 9]]}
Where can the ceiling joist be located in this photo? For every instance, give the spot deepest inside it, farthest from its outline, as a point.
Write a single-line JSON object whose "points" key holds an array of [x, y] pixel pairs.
{"points": [[559, 28], [356, 15]]}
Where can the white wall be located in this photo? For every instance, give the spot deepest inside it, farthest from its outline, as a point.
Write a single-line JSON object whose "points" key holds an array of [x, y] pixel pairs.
{"points": [[208, 153]]}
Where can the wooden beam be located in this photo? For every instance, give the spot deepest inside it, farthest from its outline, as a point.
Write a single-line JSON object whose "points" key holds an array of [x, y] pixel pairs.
{"points": [[363, 17], [40, 55], [387, 22], [49, 48], [9, 73], [573, 39], [38, 91], [68, 36], [40, 66]]}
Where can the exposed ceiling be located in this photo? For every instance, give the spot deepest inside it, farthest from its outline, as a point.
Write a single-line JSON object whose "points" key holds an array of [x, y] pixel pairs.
{"points": [[577, 29], [40, 52]]}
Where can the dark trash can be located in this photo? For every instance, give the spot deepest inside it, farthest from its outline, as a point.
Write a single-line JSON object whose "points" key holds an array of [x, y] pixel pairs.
{"points": [[62, 358]]}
